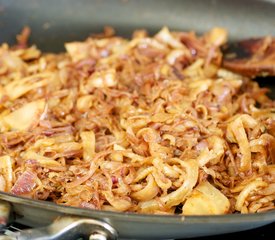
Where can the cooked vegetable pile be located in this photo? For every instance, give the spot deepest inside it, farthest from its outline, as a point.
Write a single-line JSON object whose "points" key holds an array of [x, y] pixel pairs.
{"points": [[146, 125]]}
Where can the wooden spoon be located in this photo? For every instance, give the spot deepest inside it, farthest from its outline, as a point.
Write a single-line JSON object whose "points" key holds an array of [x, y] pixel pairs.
{"points": [[251, 57]]}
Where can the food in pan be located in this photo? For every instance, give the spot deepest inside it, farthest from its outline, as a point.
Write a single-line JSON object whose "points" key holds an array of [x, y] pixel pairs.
{"points": [[147, 125]]}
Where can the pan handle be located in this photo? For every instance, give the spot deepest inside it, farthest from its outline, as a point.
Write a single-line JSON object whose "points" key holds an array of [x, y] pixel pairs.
{"points": [[67, 227]]}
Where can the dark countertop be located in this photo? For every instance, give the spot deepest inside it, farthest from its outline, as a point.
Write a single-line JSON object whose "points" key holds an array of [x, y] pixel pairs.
{"points": [[263, 233]]}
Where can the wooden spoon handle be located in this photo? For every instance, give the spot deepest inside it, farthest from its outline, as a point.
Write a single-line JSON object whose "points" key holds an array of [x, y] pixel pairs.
{"points": [[252, 57]]}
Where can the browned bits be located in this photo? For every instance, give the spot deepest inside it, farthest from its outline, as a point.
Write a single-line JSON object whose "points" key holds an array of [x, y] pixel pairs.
{"points": [[144, 125]]}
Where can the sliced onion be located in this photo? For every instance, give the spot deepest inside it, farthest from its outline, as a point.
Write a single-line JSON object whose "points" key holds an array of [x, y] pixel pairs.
{"points": [[26, 117], [253, 186], [148, 192], [206, 200]]}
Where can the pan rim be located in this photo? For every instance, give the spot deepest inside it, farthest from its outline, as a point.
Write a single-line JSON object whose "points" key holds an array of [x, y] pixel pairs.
{"points": [[137, 217]]}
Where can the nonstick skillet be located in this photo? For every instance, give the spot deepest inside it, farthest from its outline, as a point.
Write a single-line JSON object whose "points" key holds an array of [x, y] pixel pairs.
{"points": [[55, 22]]}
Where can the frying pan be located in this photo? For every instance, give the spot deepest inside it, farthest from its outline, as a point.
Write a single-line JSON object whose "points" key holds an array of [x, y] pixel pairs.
{"points": [[55, 22]]}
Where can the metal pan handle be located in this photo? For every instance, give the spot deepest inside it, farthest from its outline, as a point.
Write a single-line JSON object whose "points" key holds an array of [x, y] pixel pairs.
{"points": [[67, 227]]}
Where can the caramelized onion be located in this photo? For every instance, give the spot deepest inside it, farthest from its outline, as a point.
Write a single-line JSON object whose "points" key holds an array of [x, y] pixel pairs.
{"points": [[147, 125]]}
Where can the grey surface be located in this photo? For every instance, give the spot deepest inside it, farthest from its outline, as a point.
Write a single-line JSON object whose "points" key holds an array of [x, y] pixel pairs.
{"points": [[54, 22]]}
